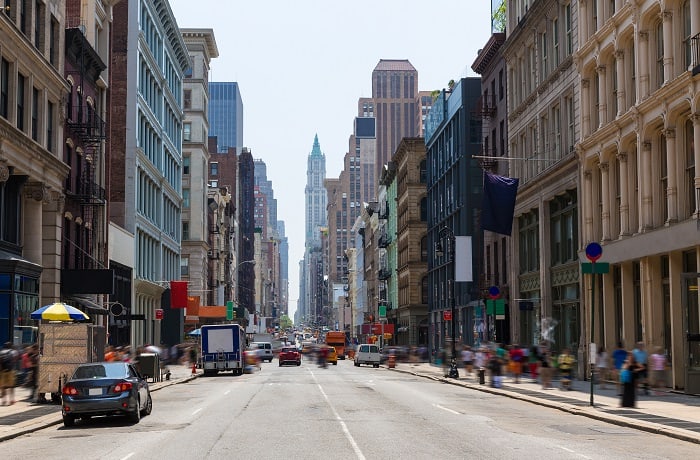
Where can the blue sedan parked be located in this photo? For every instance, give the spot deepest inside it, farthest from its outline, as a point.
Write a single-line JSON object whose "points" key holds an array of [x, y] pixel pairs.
{"points": [[109, 388]]}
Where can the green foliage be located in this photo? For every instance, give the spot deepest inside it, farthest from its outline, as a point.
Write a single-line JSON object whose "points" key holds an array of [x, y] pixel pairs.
{"points": [[498, 18], [285, 322]]}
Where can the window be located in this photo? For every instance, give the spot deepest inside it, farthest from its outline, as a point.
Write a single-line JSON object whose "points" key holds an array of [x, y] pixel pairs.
{"points": [[528, 225], [686, 35], [214, 171], [185, 230], [563, 228], [689, 169], [50, 109], [555, 41], [659, 54], [184, 266], [35, 114], [21, 82], [214, 183], [53, 34], [4, 88], [38, 17], [185, 165], [569, 33], [543, 55], [185, 198], [186, 131], [187, 102], [663, 179]]}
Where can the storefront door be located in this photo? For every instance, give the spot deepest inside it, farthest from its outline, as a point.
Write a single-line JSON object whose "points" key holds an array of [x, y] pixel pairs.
{"points": [[691, 328]]}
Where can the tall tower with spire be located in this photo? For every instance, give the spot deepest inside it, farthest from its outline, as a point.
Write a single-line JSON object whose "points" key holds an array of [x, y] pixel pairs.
{"points": [[315, 194]]}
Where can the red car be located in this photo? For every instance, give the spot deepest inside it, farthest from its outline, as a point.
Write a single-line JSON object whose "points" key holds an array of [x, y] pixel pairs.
{"points": [[290, 355]]}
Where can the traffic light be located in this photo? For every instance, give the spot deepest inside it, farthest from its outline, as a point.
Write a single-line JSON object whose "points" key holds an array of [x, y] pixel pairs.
{"points": [[230, 315]]}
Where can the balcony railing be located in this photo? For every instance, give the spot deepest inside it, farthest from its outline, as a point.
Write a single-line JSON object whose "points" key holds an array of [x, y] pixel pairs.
{"points": [[91, 193], [85, 123], [384, 274], [384, 240], [695, 53]]}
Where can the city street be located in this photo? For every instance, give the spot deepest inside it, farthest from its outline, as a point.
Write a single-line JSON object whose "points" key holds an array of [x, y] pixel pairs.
{"points": [[344, 411]]}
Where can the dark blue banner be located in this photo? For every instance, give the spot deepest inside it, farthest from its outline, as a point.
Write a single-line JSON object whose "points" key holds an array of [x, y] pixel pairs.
{"points": [[499, 203]]}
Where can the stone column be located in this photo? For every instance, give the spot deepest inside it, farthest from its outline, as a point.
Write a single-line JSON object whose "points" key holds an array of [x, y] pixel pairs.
{"points": [[605, 200], [624, 194], [602, 97], [645, 187], [628, 321], [585, 107], [677, 376], [642, 66], [588, 224], [582, 21], [620, 67], [34, 195], [672, 184], [667, 18], [600, 7]]}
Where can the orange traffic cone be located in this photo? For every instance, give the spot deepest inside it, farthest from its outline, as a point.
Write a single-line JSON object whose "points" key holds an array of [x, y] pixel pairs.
{"points": [[194, 368]]}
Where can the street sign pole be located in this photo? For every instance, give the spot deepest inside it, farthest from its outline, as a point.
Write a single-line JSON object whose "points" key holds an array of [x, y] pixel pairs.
{"points": [[593, 253]]}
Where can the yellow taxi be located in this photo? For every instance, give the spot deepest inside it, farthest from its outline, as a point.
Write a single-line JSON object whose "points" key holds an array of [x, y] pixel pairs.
{"points": [[332, 356]]}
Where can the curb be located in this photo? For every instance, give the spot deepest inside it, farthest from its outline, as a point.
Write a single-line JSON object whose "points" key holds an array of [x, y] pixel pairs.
{"points": [[564, 407]]}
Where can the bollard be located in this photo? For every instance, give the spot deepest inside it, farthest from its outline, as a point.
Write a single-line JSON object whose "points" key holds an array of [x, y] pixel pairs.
{"points": [[482, 376]]}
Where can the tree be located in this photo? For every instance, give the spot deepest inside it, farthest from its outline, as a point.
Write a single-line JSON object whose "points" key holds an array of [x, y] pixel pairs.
{"points": [[498, 17], [285, 322]]}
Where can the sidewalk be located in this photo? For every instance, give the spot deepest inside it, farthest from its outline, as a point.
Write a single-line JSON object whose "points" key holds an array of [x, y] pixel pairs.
{"points": [[25, 416], [667, 412]]}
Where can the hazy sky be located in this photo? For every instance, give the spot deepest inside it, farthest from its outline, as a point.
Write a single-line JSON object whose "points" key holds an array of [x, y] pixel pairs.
{"points": [[302, 65]]}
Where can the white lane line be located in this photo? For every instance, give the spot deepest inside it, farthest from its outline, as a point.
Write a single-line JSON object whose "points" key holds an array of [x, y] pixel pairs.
{"points": [[349, 437], [128, 456], [227, 392], [447, 409], [195, 412], [567, 449]]}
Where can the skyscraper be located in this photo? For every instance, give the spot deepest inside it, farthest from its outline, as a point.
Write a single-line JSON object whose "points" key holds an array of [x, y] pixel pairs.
{"points": [[315, 194], [226, 115], [397, 106]]}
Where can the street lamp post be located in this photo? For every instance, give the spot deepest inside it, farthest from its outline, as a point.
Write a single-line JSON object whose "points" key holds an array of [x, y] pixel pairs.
{"points": [[447, 233]]}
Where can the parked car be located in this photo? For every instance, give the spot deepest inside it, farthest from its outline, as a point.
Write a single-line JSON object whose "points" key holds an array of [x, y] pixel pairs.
{"points": [[332, 356], [367, 353], [264, 350], [108, 388], [289, 355]]}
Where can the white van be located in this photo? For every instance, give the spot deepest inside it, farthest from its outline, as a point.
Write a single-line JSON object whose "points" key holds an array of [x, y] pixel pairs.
{"points": [[264, 350], [367, 353]]}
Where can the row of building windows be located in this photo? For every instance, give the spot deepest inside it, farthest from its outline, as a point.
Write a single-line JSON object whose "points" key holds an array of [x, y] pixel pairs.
{"points": [[26, 106]]}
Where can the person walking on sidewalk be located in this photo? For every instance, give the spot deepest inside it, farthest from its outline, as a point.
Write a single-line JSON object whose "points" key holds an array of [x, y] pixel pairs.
{"points": [[640, 355], [619, 356], [629, 374], [566, 364], [533, 360], [468, 359], [601, 367], [8, 363], [657, 363]]}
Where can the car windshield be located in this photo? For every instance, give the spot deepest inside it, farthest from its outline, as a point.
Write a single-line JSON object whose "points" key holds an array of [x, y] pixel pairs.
{"points": [[95, 371]]}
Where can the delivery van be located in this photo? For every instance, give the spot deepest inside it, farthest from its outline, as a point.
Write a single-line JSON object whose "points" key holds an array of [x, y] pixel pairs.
{"points": [[367, 353]]}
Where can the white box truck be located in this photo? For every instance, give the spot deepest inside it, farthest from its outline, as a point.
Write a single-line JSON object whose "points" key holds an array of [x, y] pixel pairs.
{"points": [[222, 348]]}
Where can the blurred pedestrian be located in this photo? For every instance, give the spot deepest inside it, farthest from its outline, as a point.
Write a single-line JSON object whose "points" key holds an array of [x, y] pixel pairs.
{"points": [[619, 356], [546, 369], [641, 356], [533, 360], [601, 367], [657, 364], [566, 365], [628, 377], [516, 361], [468, 359], [8, 376]]}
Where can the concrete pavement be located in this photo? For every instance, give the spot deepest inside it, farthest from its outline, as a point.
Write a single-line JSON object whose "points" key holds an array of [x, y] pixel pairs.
{"points": [[26, 416], [663, 412], [668, 413]]}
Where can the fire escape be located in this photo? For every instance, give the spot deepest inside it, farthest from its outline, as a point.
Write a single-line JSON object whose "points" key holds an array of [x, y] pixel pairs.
{"points": [[85, 245]]}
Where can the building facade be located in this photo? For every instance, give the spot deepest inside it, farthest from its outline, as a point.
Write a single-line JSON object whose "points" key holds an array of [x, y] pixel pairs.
{"points": [[543, 129], [640, 185], [149, 61], [199, 229], [32, 170]]}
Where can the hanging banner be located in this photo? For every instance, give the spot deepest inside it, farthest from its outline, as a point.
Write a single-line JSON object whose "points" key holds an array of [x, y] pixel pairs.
{"points": [[178, 294]]}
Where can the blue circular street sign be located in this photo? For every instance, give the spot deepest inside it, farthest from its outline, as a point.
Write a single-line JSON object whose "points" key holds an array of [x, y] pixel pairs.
{"points": [[494, 292], [594, 251]]}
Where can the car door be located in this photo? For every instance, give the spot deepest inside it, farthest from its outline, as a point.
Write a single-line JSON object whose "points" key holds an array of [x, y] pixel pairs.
{"points": [[140, 383]]}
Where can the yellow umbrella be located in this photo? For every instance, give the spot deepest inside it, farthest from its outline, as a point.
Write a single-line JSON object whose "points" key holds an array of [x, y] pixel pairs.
{"points": [[59, 311]]}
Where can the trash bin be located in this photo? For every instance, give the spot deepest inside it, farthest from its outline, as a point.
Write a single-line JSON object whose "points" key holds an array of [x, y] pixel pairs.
{"points": [[482, 376], [149, 366]]}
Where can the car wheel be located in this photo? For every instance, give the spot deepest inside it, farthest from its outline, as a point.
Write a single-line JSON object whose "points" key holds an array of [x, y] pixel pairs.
{"points": [[68, 420], [280, 363], [149, 406], [375, 365], [298, 363], [135, 417], [357, 364], [335, 363]]}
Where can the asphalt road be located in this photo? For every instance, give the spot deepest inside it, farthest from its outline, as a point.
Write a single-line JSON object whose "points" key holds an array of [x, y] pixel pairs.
{"points": [[341, 412]]}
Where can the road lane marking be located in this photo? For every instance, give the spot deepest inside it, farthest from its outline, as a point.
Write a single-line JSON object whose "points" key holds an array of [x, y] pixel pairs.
{"points": [[227, 392], [195, 412], [349, 437], [447, 409], [128, 456]]}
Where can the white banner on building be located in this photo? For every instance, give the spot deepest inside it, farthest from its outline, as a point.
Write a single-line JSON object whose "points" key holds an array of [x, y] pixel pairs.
{"points": [[463, 259]]}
